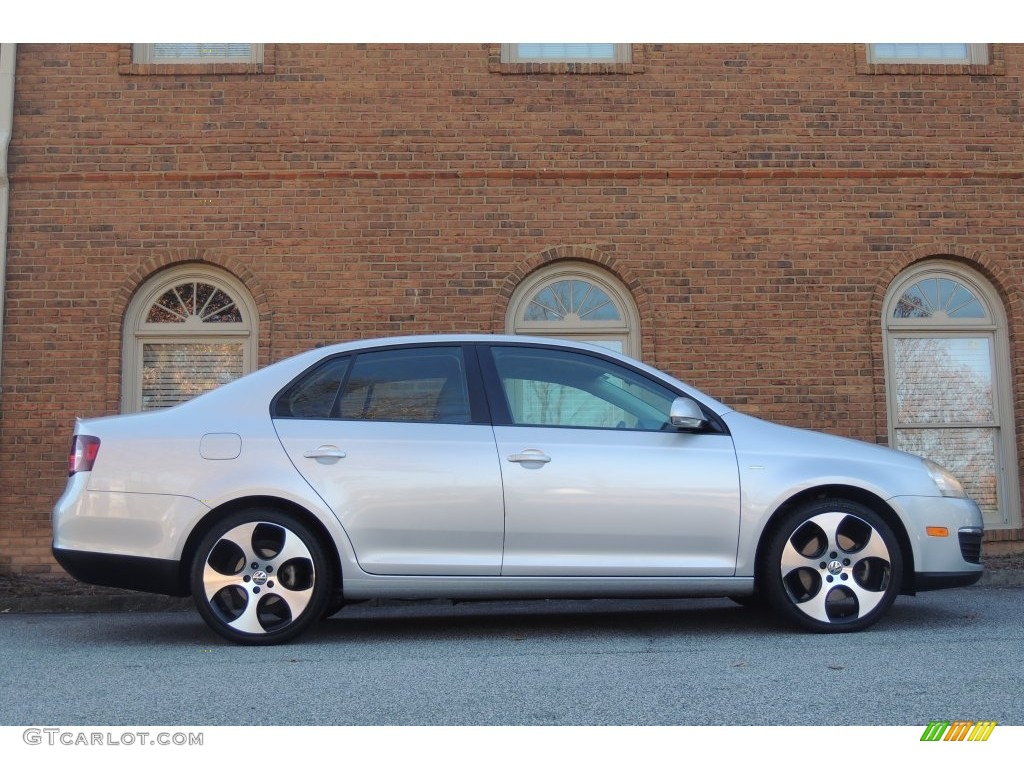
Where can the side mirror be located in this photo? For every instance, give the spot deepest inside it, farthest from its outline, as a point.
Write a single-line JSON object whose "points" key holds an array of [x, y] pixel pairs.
{"points": [[686, 414]]}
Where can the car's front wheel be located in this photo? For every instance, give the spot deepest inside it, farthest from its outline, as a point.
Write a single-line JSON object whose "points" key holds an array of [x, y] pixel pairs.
{"points": [[832, 565], [260, 577]]}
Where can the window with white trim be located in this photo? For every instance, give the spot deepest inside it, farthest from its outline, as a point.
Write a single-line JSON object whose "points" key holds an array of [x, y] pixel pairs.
{"points": [[187, 331], [948, 382], [928, 53], [197, 53], [561, 53], [576, 301]]}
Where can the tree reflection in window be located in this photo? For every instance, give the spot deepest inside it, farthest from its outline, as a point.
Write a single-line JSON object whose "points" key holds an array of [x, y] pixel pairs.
{"points": [[571, 299], [188, 336], [939, 298], [196, 302], [945, 346]]}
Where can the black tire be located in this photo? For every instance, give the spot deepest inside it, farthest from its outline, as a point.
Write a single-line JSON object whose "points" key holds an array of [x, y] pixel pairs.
{"points": [[831, 565], [334, 606], [260, 577]]}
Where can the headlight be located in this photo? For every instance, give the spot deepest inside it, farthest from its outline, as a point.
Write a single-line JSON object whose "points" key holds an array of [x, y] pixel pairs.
{"points": [[944, 481]]}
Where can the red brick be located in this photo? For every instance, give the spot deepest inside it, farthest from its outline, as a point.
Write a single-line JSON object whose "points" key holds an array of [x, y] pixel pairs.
{"points": [[747, 195]]}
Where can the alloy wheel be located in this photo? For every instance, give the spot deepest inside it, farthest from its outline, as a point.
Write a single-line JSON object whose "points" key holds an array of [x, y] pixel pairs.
{"points": [[260, 581], [837, 567]]}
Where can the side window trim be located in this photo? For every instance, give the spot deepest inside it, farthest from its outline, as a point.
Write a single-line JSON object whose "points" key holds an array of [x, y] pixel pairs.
{"points": [[501, 415], [277, 402], [497, 404], [479, 405], [477, 399]]}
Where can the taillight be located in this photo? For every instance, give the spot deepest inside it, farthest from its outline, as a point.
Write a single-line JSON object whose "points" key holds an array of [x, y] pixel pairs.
{"points": [[83, 453]]}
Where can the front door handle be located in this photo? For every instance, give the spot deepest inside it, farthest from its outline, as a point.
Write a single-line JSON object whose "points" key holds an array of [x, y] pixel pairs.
{"points": [[530, 456], [325, 454]]}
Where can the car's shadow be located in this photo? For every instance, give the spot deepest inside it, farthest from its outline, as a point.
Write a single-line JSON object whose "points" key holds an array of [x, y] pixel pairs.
{"points": [[561, 620], [396, 621]]}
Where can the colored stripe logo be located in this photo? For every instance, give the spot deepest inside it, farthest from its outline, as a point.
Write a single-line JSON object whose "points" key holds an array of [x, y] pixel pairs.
{"points": [[958, 730]]}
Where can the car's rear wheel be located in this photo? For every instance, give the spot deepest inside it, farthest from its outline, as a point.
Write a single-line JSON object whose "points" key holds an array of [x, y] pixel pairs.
{"points": [[260, 577], [832, 565]]}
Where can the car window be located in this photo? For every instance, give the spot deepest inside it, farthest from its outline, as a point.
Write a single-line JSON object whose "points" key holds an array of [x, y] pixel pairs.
{"points": [[313, 396], [548, 387], [422, 384]]}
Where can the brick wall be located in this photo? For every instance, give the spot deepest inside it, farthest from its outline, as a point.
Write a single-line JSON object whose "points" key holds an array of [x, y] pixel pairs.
{"points": [[756, 200]]}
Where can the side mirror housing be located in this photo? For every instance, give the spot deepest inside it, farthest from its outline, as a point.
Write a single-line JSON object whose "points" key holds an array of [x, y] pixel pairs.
{"points": [[686, 414]]}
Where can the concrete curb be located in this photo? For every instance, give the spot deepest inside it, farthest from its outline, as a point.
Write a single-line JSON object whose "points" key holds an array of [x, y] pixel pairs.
{"points": [[143, 603], [1002, 578]]}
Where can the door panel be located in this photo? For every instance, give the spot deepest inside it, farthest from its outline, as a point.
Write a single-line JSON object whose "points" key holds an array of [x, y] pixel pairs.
{"points": [[597, 481], [389, 441], [619, 503], [413, 498]]}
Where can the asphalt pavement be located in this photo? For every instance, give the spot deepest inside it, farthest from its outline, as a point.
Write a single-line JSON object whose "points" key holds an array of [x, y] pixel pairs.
{"points": [[51, 600], [949, 655]]}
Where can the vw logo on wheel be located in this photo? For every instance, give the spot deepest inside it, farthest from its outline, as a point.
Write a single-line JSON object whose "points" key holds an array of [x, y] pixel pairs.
{"points": [[259, 578], [835, 567]]}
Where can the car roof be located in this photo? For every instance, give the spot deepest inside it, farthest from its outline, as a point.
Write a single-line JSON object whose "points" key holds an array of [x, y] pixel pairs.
{"points": [[522, 340]]}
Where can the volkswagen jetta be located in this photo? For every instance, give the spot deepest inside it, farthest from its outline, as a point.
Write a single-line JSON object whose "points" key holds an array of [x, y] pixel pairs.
{"points": [[486, 467]]}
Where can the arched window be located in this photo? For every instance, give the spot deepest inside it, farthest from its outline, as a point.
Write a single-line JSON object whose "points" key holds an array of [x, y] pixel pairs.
{"points": [[948, 382], [186, 331], [576, 301]]}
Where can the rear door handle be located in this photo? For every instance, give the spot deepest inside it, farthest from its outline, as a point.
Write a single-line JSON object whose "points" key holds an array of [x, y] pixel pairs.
{"points": [[530, 456], [325, 454]]}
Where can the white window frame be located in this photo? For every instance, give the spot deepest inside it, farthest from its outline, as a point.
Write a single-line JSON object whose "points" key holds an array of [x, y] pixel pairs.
{"points": [[976, 53], [992, 327], [625, 331], [137, 332], [145, 53], [511, 53]]}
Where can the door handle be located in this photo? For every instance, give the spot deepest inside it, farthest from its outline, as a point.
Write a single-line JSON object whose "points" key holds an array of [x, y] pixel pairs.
{"points": [[325, 452], [530, 456]]}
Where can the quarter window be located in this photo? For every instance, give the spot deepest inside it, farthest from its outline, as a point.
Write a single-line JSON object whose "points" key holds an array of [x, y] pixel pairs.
{"points": [[314, 395]]}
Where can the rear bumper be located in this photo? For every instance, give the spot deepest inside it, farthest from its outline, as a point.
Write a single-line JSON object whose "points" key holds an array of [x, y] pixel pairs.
{"points": [[143, 574]]}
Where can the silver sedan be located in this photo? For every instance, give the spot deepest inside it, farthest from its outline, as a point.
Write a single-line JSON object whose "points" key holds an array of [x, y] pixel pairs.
{"points": [[484, 467]]}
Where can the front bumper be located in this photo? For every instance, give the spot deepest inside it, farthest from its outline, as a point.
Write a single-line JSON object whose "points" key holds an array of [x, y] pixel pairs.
{"points": [[926, 582], [941, 562]]}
